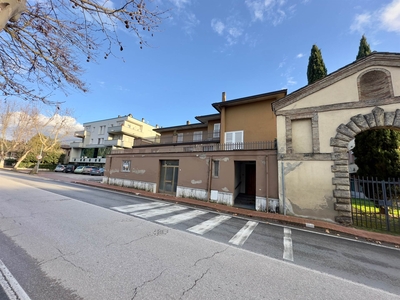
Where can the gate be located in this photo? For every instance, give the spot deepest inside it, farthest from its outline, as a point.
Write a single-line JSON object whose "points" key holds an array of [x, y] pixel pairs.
{"points": [[375, 204]]}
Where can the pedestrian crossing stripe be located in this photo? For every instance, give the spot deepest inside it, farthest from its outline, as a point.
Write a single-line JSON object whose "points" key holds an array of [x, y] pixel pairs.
{"points": [[154, 209]]}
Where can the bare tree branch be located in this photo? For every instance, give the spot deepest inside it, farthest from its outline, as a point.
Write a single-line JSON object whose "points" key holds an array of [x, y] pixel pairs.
{"points": [[43, 51]]}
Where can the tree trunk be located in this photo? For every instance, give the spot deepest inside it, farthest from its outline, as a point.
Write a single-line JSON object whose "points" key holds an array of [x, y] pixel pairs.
{"points": [[21, 159]]}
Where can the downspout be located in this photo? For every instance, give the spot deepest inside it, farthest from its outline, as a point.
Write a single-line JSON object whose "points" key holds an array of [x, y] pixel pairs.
{"points": [[283, 189], [209, 178], [267, 181]]}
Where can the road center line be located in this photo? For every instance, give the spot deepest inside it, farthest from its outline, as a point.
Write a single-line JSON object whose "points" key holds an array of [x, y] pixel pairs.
{"points": [[287, 244]]}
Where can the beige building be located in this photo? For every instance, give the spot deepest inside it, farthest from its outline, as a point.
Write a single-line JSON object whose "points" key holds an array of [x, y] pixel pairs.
{"points": [[316, 124], [228, 157], [99, 137]]}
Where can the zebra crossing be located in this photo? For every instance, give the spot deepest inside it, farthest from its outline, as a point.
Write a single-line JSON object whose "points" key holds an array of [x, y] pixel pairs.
{"points": [[182, 214]]}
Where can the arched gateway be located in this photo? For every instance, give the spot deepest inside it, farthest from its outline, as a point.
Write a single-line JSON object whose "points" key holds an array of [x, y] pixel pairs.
{"points": [[315, 125], [377, 119]]}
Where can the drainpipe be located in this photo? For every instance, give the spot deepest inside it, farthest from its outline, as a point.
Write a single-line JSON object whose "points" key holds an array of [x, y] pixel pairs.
{"points": [[267, 181], [209, 178], [283, 189]]}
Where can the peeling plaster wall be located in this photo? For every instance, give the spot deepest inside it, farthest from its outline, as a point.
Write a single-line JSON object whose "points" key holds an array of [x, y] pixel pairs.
{"points": [[138, 185], [191, 193], [308, 189]]}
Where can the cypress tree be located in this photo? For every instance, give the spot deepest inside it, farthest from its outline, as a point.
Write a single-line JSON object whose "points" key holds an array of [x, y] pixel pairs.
{"points": [[364, 49], [316, 68]]}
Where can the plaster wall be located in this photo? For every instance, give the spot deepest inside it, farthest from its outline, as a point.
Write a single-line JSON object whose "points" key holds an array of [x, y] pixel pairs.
{"points": [[308, 189], [342, 91], [329, 121], [257, 120]]}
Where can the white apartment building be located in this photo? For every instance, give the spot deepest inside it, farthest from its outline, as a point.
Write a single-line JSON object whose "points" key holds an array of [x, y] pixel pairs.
{"points": [[100, 137]]}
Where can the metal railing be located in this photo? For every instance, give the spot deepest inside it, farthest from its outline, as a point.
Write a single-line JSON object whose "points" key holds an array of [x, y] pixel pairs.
{"points": [[375, 204], [206, 147]]}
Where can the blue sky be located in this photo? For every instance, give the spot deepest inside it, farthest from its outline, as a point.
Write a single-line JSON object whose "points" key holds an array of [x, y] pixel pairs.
{"points": [[241, 47]]}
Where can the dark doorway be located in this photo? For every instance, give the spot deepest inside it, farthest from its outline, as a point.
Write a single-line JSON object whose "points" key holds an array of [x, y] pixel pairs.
{"points": [[245, 184]]}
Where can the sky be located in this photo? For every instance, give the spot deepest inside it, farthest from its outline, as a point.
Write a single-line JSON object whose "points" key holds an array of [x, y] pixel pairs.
{"points": [[241, 47]]}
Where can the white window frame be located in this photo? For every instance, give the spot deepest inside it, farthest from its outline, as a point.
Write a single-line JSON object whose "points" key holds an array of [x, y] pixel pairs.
{"points": [[179, 138], [217, 130], [234, 140], [197, 136]]}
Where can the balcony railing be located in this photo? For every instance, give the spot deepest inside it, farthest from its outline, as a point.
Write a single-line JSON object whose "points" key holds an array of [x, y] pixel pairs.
{"points": [[207, 147], [180, 138]]}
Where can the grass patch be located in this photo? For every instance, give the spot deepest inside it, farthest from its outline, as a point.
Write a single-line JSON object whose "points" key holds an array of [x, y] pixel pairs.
{"points": [[367, 215]]}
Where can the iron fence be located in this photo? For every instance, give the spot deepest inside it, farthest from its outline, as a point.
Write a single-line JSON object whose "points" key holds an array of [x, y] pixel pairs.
{"points": [[375, 204]]}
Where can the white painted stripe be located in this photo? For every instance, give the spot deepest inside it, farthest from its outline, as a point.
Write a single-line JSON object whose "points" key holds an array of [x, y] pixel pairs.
{"points": [[243, 234], [208, 225], [287, 244], [138, 207], [158, 211], [181, 217], [11, 285]]}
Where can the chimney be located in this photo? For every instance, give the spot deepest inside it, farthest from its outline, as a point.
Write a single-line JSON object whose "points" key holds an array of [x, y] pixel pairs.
{"points": [[223, 97], [143, 120], [187, 122]]}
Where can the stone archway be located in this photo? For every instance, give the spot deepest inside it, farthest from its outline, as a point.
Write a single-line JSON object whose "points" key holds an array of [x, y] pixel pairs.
{"points": [[377, 119]]}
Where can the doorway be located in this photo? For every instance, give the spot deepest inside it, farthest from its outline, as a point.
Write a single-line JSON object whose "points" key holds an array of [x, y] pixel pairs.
{"points": [[245, 184], [169, 170]]}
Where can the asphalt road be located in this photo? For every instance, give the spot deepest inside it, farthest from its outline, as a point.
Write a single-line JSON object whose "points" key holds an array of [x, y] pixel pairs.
{"points": [[64, 241]]}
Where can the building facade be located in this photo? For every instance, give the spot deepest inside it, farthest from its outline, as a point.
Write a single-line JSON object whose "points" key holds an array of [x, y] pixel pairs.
{"points": [[228, 157], [317, 126], [98, 138]]}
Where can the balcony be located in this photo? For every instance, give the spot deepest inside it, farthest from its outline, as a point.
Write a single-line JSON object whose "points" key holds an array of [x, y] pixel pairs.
{"points": [[122, 129], [198, 147], [91, 160], [76, 145], [80, 134], [117, 143], [180, 138]]}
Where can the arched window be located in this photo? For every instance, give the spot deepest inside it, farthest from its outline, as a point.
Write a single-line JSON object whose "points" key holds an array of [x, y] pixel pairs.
{"points": [[375, 84]]}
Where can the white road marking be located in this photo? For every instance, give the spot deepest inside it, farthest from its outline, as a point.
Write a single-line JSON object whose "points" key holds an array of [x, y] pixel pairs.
{"points": [[158, 211], [181, 217], [11, 285], [138, 207], [287, 244], [208, 225], [243, 234]]}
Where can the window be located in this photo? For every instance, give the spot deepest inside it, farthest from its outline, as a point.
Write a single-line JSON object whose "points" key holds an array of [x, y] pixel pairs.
{"points": [[179, 138], [234, 140], [100, 141], [197, 136], [302, 141], [126, 166], [217, 129], [215, 170], [102, 129]]}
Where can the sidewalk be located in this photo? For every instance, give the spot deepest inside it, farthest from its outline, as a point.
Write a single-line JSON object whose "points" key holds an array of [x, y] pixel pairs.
{"points": [[309, 224]]}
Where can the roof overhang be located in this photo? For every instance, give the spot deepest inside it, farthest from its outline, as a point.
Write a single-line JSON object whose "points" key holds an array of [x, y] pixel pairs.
{"points": [[251, 99]]}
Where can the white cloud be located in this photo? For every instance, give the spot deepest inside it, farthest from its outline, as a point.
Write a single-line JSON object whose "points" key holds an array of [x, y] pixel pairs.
{"points": [[180, 3], [231, 29], [361, 23], [218, 26], [300, 55], [385, 19], [272, 10], [390, 16]]}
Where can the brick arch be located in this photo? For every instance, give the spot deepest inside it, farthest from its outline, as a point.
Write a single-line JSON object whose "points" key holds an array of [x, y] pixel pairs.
{"points": [[375, 83], [377, 119]]}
